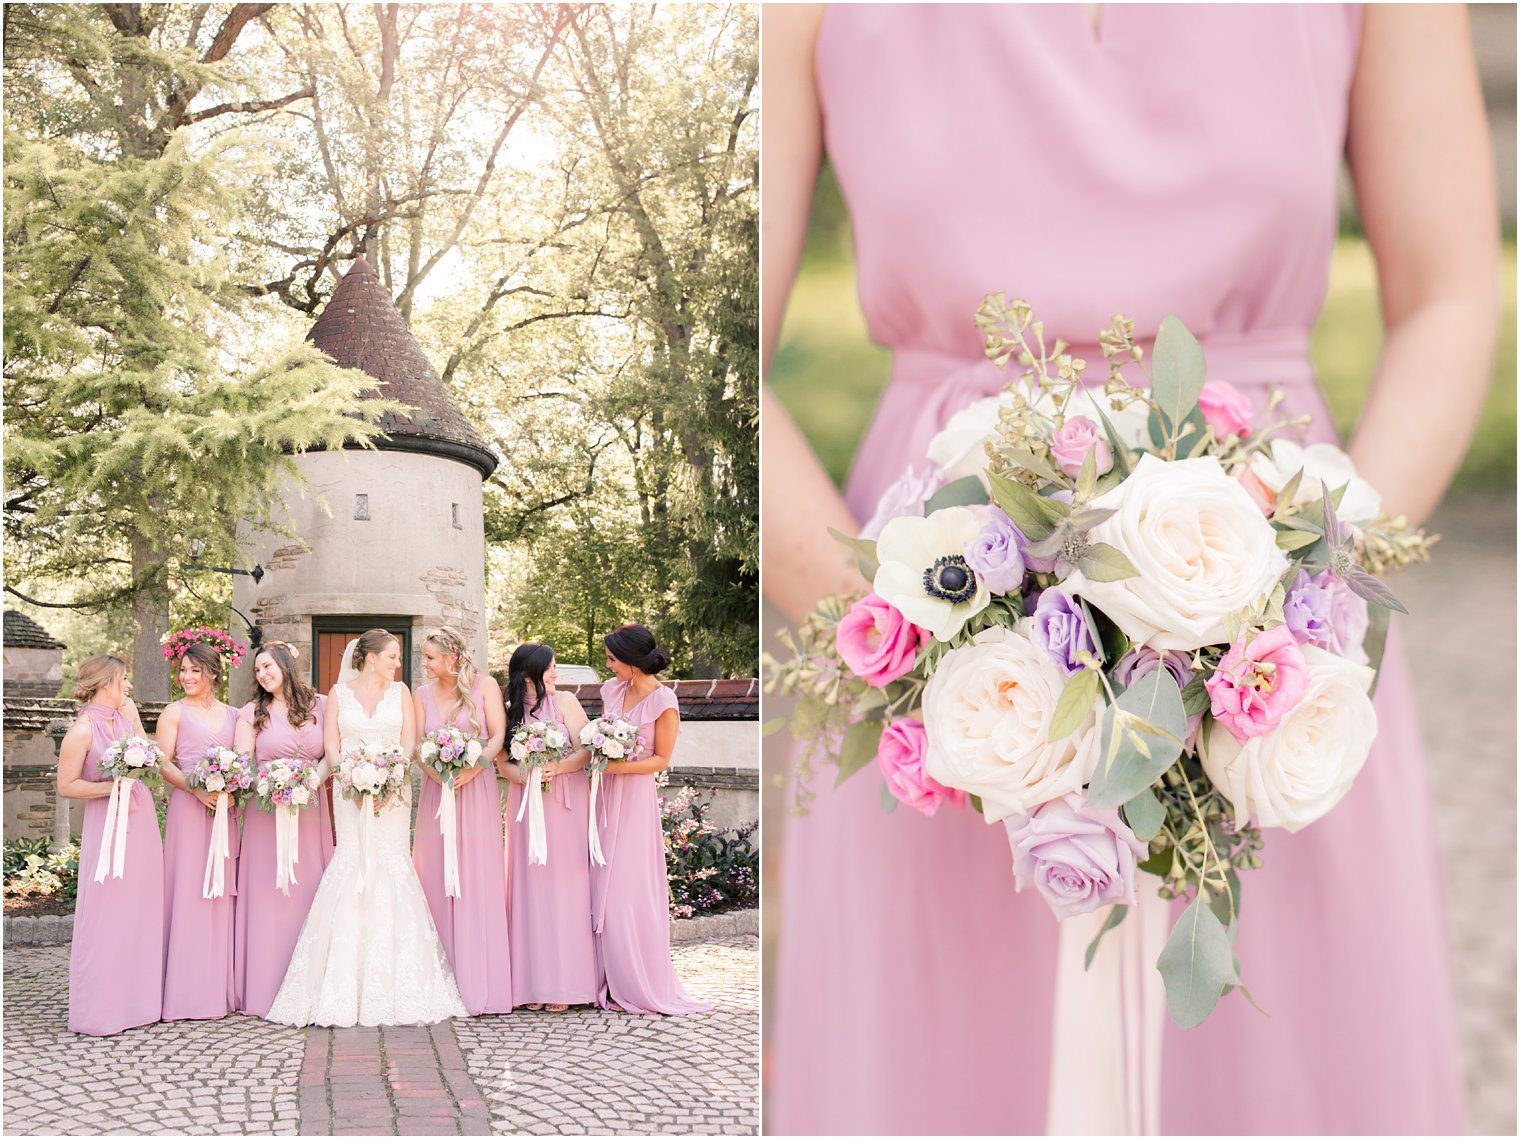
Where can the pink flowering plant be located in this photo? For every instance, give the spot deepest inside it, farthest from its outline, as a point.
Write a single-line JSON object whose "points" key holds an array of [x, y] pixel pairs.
{"points": [[1144, 628], [175, 643], [223, 769]]}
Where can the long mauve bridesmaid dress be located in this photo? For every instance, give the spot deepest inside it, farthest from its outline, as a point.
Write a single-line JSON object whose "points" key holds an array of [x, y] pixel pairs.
{"points": [[553, 948], [198, 979], [473, 926], [267, 921], [630, 896], [1179, 159], [116, 958]]}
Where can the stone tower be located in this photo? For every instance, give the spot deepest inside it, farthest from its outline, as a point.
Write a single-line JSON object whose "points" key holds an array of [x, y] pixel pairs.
{"points": [[403, 546]]}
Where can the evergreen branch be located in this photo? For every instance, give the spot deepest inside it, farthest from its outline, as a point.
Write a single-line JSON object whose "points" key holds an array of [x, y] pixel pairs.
{"points": [[79, 606]]}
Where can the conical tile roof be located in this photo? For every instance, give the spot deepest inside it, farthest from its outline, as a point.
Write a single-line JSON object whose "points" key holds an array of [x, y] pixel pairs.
{"points": [[362, 328], [21, 632]]}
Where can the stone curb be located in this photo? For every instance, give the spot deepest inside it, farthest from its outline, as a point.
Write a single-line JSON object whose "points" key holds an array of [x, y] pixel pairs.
{"points": [[739, 923], [59, 930]]}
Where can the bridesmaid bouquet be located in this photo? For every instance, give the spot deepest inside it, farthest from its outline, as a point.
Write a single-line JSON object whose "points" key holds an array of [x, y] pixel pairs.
{"points": [[221, 769], [536, 745], [285, 786], [1136, 624], [127, 759], [606, 738], [373, 773], [449, 751]]}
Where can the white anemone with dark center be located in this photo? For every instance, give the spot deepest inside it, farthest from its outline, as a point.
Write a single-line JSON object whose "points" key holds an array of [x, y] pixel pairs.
{"points": [[923, 571]]}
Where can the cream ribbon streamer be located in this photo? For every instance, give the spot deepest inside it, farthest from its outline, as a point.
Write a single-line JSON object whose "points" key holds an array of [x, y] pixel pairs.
{"points": [[113, 839], [214, 884], [447, 827], [533, 804], [593, 839], [287, 846], [365, 805], [1105, 1063]]}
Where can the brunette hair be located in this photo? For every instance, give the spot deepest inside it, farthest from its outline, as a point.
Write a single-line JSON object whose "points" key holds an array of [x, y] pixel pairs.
{"points": [[373, 641], [207, 658], [95, 673], [530, 660], [449, 640], [300, 697], [635, 645]]}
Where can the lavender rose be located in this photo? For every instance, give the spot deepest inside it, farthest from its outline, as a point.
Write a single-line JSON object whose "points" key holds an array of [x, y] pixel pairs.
{"points": [[996, 554], [1323, 611], [1059, 627], [1078, 856]]}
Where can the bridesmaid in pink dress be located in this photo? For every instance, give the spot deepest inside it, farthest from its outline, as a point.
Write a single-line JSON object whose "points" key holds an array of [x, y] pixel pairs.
{"points": [[116, 959], [473, 926], [553, 951], [1142, 160], [198, 980], [268, 921], [630, 897]]}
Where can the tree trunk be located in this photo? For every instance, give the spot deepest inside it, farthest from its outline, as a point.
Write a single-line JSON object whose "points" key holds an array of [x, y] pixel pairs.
{"points": [[150, 622]]}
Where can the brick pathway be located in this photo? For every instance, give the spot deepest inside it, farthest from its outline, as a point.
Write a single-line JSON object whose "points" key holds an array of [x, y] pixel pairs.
{"points": [[584, 1071]]}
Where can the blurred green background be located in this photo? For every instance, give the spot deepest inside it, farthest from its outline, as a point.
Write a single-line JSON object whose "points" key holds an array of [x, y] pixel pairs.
{"points": [[829, 374]]}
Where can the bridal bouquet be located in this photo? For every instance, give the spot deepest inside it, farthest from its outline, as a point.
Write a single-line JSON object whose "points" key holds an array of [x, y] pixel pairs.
{"points": [[224, 770], [536, 744], [127, 759], [606, 738], [1137, 624], [449, 751], [369, 772], [285, 786]]}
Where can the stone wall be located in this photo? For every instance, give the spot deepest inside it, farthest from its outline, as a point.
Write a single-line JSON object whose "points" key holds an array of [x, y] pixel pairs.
{"points": [[32, 673]]}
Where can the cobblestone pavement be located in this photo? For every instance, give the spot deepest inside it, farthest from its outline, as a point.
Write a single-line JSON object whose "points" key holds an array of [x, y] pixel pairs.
{"points": [[583, 1071], [590, 1072]]}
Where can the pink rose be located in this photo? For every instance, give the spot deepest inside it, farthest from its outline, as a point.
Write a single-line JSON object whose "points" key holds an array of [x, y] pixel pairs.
{"points": [[1073, 439], [1225, 409], [1261, 494], [1258, 683], [877, 642], [901, 759], [1078, 856]]}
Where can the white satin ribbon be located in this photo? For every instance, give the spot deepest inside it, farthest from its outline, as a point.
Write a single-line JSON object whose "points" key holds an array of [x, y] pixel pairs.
{"points": [[366, 807], [448, 828], [594, 839], [533, 804], [1105, 1062], [287, 846], [113, 839], [214, 884]]}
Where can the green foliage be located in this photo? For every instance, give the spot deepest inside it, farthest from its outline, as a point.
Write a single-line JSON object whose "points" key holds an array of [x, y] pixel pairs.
{"points": [[707, 868], [1196, 965], [33, 869]]}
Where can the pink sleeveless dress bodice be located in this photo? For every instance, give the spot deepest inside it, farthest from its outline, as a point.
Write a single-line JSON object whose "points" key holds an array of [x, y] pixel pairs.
{"points": [[1181, 159], [473, 926]]}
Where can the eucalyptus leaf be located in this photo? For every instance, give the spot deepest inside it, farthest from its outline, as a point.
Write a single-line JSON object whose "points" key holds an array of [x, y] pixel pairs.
{"points": [[1103, 562], [1075, 704], [1115, 916], [1376, 641], [1285, 495], [1290, 540], [871, 699], [1152, 727], [1226, 904], [976, 804], [888, 800], [1159, 863], [1124, 458], [861, 741], [1087, 477], [968, 491], [1036, 517], [1195, 696], [1177, 371], [865, 552], [1145, 814], [1196, 965]]}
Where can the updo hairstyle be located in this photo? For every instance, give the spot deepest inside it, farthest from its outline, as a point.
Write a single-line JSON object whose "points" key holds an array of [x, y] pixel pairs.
{"points": [[96, 673], [374, 641], [635, 645]]}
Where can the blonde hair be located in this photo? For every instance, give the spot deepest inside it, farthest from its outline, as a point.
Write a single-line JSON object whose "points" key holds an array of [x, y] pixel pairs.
{"points": [[95, 673], [373, 641], [450, 640]]}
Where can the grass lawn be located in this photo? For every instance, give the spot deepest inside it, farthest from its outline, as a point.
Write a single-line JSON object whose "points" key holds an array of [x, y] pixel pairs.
{"points": [[829, 374]]}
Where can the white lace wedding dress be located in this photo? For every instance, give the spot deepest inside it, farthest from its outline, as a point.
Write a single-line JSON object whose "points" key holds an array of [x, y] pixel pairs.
{"points": [[368, 953]]}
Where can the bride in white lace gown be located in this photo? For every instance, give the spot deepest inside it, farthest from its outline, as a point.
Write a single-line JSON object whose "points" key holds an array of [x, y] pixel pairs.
{"points": [[368, 953]]}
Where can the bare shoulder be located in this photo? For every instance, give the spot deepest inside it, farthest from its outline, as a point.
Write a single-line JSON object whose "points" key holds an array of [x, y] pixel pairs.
{"points": [[792, 27], [566, 701]]}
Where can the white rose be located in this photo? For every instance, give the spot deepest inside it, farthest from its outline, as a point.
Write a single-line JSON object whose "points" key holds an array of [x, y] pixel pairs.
{"points": [[554, 738], [612, 749], [429, 750], [519, 750], [300, 796], [473, 751], [1321, 463], [1202, 547], [960, 447], [1299, 770], [987, 711], [588, 733], [263, 787], [215, 783], [923, 571]]}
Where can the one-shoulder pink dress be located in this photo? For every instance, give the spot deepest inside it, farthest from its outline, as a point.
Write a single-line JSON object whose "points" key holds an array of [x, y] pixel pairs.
{"points": [[630, 895], [1182, 159], [268, 921], [472, 927], [116, 959], [198, 977], [553, 948]]}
